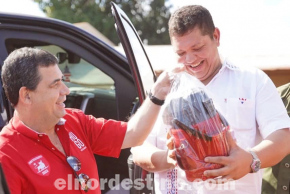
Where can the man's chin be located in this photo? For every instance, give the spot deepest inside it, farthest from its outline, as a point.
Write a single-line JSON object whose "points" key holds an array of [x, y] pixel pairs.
{"points": [[192, 73], [62, 113]]}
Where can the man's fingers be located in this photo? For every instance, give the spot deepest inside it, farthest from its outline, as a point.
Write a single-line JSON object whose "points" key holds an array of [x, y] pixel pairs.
{"points": [[216, 172], [223, 160], [171, 154], [168, 135], [170, 143], [172, 158]]}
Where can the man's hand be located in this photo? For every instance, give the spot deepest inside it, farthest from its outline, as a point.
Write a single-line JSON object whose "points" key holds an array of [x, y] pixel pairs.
{"points": [[162, 86], [142, 122], [171, 156], [236, 165], [171, 159], [152, 158]]}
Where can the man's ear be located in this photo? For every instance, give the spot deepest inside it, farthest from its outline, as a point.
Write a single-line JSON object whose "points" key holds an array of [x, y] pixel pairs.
{"points": [[24, 95], [216, 36]]}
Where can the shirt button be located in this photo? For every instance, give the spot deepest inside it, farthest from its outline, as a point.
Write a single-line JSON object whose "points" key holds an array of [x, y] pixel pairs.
{"points": [[38, 140], [40, 135], [287, 165], [53, 148], [285, 188], [57, 129]]}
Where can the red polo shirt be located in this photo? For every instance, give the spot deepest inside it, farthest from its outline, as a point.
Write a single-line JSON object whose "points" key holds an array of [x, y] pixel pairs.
{"points": [[32, 164]]}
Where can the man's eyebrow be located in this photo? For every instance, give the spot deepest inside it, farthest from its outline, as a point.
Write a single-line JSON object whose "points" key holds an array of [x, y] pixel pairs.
{"points": [[199, 44], [55, 81]]}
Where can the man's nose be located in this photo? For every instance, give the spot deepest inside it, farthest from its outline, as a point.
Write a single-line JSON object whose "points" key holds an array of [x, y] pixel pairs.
{"points": [[65, 90], [190, 58]]}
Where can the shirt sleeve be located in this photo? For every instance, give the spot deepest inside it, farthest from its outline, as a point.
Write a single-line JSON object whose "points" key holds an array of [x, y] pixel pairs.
{"points": [[104, 136], [270, 111]]}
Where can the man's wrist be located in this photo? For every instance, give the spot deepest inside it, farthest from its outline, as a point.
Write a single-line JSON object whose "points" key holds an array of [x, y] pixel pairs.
{"points": [[155, 100], [256, 163]]}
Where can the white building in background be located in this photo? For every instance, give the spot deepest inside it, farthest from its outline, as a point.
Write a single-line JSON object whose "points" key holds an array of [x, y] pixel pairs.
{"points": [[275, 64]]}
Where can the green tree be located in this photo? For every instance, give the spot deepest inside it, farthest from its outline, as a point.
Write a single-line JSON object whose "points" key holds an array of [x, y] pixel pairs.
{"points": [[150, 17]]}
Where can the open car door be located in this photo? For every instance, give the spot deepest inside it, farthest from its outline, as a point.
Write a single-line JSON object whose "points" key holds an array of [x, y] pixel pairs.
{"points": [[144, 76], [138, 60]]}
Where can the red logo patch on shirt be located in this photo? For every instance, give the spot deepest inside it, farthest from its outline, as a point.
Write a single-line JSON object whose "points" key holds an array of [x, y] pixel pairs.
{"points": [[77, 141], [39, 165]]}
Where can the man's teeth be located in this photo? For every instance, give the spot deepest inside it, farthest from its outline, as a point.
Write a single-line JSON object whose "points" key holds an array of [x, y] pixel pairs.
{"points": [[195, 65]]}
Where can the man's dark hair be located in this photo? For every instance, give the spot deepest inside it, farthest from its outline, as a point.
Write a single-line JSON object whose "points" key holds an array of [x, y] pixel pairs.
{"points": [[20, 69], [186, 18]]}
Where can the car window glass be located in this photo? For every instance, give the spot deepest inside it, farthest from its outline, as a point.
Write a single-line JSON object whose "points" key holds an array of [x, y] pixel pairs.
{"points": [[141, 59], [80, 73], [3, 117], [91, 90], [135, 52]]}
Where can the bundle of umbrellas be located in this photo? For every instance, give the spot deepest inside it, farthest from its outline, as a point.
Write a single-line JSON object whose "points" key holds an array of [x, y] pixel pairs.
{"points": [[199, 130]]}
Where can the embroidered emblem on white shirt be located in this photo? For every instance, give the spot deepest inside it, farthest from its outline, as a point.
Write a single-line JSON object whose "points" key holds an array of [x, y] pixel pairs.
{"points": [[242, 100], [39, 165], [77, 141], [231, 66]]}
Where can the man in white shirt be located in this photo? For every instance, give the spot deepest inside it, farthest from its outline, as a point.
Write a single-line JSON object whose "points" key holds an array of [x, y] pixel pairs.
{"points": [[246, 97]]}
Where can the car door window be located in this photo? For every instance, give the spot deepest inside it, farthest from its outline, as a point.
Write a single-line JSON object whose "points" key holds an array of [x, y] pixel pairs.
{"points": [[3, 116], [91, 90]]}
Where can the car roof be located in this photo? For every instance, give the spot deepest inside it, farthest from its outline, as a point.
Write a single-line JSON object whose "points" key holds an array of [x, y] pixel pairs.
{"points": [[20, 20]]}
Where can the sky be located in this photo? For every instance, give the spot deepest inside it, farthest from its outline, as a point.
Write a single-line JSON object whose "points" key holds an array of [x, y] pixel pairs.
{"points": [[27, 7], [249, 28]]}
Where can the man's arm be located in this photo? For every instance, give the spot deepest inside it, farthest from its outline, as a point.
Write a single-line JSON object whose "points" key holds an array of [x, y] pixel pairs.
{"points": [[270, 151], [140, 125]]}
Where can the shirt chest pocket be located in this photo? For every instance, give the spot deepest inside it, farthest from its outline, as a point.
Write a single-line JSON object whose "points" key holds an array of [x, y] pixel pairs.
{"points": [[240, 113]]}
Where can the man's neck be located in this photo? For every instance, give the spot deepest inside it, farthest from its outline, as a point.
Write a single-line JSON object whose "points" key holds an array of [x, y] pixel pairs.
{"points": [[37, 123], [219, 66], [41, 126]]}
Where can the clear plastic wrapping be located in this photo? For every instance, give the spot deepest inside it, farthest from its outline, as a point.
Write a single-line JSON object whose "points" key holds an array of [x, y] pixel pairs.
{"points": [[197, 127]]}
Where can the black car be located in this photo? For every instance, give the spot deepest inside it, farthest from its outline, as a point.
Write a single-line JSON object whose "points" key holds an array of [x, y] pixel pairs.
{"points": [[103, 82]]}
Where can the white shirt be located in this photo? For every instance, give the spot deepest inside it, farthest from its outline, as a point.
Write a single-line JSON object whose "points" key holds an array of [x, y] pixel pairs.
{"points": [[249, 101]]}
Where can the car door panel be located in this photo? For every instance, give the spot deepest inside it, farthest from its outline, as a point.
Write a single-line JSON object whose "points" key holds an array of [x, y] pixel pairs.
{"points": [[144, 78]]}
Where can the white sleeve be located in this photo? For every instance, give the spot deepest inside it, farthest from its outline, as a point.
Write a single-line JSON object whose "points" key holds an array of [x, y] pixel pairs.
{"points": [[271, 113]]}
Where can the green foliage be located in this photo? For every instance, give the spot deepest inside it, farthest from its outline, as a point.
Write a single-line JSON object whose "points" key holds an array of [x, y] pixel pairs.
{"points": [[150, 17]]}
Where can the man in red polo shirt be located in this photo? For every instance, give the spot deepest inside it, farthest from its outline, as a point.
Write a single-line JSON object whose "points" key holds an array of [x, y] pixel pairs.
{"points": [[47, 148]]}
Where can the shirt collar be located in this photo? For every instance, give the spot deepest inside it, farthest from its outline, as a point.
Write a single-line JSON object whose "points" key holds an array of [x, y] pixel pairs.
{"points": [[225, 65], [228, 64], [61, 121], [19, 126]]}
